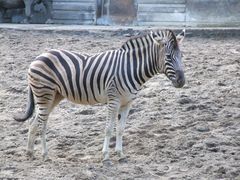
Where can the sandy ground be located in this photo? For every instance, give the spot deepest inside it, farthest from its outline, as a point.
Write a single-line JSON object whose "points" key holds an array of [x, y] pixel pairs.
{"points": [[188, 133]]}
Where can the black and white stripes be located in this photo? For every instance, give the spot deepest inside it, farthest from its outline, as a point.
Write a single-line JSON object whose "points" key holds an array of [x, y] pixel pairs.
{"points": [[113, 77]]}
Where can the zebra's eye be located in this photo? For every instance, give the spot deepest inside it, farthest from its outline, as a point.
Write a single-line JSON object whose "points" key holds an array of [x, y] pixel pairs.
{"points": [[154, 35], [168, 56]]}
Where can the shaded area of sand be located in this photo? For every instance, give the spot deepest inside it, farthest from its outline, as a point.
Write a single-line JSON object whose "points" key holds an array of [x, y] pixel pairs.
{"points": [[186, 133]]}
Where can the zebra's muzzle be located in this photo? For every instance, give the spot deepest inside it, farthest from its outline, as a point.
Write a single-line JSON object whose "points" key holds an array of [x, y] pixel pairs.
{"points": [[179, 81]]}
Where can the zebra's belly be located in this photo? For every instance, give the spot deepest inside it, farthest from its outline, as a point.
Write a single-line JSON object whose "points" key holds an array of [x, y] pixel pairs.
{"points": [[102, 99], [88, 100]]}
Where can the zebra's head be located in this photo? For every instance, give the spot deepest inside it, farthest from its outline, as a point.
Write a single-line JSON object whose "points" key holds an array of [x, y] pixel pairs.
{"points": [[170, 61]]}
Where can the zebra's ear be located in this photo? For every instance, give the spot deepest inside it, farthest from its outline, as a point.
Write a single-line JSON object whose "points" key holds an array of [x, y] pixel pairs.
{"points": [[180, 36], [157, 39]]}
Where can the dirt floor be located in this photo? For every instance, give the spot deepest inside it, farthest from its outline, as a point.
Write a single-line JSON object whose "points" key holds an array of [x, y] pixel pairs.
{"points": [[188, 133]]}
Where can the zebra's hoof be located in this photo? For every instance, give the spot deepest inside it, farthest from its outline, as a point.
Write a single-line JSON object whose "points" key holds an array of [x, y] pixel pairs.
{"points": [[107, 162], [25, 21], [30, 155], [49, 21], [123, 159], [45, 158], [120, 154]]}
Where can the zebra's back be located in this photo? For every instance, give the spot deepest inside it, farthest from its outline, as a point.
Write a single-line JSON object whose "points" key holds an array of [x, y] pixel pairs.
{"points": [[80, 78]]}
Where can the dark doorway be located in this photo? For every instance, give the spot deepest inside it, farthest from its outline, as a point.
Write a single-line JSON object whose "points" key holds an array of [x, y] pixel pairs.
{"points": [[112, 12]]}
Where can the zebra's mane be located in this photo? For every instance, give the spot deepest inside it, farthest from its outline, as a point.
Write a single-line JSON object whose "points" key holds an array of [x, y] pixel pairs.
{"points": [[146, 33]]}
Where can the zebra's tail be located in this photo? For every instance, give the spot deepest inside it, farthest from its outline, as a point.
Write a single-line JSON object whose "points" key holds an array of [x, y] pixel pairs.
{"points": [[30, 108]]}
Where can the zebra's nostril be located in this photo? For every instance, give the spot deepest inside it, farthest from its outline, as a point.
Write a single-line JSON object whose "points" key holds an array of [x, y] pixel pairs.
{"points": [[180, 77], [180, 81]]}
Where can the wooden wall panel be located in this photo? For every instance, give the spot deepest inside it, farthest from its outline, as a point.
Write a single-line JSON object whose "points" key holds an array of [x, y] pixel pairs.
{"points": [[74, 11], [157, 12]]}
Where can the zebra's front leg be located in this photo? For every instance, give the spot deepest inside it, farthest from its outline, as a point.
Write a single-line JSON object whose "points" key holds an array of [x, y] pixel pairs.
{"points": [[121, 122], [113, 107]]}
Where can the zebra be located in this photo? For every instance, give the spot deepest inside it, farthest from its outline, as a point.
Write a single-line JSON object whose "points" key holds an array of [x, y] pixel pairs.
{"points": [[112, 77]]}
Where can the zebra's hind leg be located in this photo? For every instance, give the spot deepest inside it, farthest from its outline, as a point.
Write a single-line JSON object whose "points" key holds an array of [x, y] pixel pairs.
{"points": [[44, 144], [43, 117], [46, 103], [57, 98], [31, 137], [38, 126], [121, 122]]}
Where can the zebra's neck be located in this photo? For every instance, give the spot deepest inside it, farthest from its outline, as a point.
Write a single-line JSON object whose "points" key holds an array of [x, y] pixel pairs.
{"points": [[143, 56]]}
